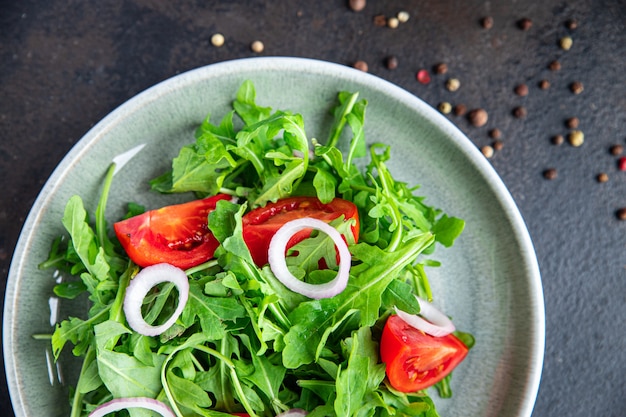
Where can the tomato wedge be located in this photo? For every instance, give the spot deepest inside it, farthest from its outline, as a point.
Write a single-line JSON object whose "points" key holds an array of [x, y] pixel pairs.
{"points": [[177, 234], [416, 360], [260, 225]]}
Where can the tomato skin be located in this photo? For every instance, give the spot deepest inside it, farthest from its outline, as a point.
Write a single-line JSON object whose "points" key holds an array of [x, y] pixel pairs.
{"points": [[260, 224], [415, 360], [176, 234]]}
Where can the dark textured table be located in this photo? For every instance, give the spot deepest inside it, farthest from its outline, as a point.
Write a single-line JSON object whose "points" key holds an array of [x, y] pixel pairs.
{"points": [[65, 65]]}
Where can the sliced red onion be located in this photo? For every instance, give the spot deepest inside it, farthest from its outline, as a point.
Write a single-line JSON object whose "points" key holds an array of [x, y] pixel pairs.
{"points": [[278, 263], [436, 324], [138, 288], [119, 404], [294, 412]]}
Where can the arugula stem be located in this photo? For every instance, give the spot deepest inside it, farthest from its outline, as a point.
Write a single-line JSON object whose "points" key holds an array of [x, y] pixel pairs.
{"points": [[341, 121], [424, 280], [77, 409], [52, 262], [255, 323], [202, 267]]}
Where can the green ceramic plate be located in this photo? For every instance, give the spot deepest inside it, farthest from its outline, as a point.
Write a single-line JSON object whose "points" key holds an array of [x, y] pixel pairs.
{"points": [[489, 281]]}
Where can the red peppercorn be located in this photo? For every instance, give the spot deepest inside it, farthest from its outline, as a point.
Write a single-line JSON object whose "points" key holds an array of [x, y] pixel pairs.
{"points": [[423, 76], [621, 163]]}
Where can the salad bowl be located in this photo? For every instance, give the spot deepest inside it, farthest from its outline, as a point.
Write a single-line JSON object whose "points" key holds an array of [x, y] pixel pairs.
{"points": [[489, 281]]}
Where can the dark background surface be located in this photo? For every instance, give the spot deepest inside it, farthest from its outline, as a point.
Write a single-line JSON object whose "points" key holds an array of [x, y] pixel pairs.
{"points": [[64, 65]]}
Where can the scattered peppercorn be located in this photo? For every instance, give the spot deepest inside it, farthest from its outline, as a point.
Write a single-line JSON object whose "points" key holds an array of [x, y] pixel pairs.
{"points": [[453, 84], [441, 68], [445, 107], [380, 20], [566, 43], [460, 109], [616, 150], [572, 122], [554, 66], [544, 84], [478, 117], [257, 46], [550, 174], [557, 139], [357, 5], [423, 76], [487, 151], [520, 112], [217, 40], [521, 90], [497, 145], [576, 138], [571, 24], [391, 62], [621, 213], [576, 87], [621, 163], [403, 16], [602, 177], [393, 22], [361, 65], [487, 22], [495, 133], [525, 23]]}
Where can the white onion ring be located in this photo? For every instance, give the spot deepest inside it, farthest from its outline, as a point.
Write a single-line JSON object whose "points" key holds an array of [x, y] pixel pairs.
{"points": [[138, 288], [278, 262], [294, 412], [119, 404], [436, 324]]}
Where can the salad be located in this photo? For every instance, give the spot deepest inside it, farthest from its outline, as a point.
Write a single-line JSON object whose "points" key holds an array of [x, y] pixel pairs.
{"points": [[293, 282]]}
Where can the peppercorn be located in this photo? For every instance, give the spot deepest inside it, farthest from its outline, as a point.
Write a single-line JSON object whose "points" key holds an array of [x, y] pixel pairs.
{"points": [[616, 150], [525, 23], [571, 24], [423, 76], [453, 84], [576, 87], [357, 5], [403, 16], [460, 109], [621, 163], [602, 177], [393, 22], [520, 112], [380, 20], [487, 151], [478, 117], [572, 122], [521, 90], [621, 213], [361, 65], [495, 133], [391, 62], [557, 139], [487, 22], [566, 43], [217, 40], [257, 46], [554, 65], [550, 174], [445, 107], [544, 84], [576, 138], [441, 68], [497, 145]]}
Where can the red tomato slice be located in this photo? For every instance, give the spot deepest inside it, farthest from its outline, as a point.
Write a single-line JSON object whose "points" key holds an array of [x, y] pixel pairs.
{"points": [[260, 225], [416, 360], [178, 234]]}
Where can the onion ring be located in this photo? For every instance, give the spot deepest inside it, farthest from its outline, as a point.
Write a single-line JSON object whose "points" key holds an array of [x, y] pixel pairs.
{"points": [[278, 262], [294, 412], [134, 402], [138, 288], [436, 324]]}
